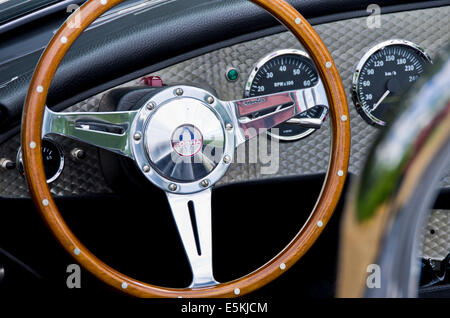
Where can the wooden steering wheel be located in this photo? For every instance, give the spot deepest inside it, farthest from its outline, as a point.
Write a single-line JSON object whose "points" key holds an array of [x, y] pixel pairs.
{"points": [[145, 134]]}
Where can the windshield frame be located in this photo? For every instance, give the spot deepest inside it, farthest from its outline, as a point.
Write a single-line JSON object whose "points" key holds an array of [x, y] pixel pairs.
{"points": [[11, 10]]}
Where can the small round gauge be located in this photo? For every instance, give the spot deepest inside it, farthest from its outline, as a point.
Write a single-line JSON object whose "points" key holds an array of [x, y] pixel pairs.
{"points": [[383, 74], [285, 70], [53, 160]]}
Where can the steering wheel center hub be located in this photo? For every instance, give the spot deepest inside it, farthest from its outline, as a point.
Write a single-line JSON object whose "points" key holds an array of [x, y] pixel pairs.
{"points": [[181, 143], [184, 139]]}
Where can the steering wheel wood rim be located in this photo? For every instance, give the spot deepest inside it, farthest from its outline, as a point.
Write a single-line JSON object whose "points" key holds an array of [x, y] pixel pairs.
{"points": [[333, 186]]}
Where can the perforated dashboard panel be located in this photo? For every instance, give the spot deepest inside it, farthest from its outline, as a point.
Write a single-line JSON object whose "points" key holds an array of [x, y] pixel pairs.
{"points": [[347, 41], [437, 235]]}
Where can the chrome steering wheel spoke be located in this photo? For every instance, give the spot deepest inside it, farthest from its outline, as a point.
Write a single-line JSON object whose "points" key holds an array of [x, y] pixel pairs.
{"points": [[107, 130], [277, 109], [192, 214]]}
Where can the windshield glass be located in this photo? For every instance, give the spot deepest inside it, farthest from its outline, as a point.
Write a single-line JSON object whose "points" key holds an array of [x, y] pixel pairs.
{"points": [[12, 9]]}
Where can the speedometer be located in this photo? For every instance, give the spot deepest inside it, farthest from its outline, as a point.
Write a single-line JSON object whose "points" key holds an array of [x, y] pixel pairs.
{"points": [[383, 74], [285, 70]]}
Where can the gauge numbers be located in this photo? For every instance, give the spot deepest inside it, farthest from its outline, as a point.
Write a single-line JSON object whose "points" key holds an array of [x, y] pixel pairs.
{"points": [[383, 74], [285, 70]]}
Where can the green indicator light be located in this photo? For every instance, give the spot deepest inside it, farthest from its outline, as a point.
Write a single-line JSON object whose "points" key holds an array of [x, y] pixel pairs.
{"points": [[232, 75]]}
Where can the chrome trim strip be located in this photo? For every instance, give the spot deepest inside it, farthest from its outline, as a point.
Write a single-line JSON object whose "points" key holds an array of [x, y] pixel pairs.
{"points": [[36, 15]]}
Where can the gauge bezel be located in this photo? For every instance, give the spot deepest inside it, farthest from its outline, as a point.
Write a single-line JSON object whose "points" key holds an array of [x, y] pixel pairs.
{"points": [[369, 118], [267, 58], [61, 160]]}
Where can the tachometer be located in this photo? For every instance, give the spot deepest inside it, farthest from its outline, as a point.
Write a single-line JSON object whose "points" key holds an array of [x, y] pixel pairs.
{"points": [[285, 70], [383, 74]]}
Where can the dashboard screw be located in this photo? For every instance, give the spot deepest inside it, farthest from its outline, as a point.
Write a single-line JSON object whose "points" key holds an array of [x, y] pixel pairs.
{"points": [[179, 91], [151, 105], [78, 154], [210, 99], [137, 136], [227, 159], [205, 183], [7, 164], [173, 187]]}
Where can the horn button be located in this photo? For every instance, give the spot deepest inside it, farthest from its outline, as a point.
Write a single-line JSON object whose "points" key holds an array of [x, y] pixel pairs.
{"points": [[184, 140]]}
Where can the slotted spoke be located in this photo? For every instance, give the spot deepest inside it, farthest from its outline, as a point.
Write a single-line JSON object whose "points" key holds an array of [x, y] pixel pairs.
{"points": [[258, 114], [109, 131], [192, 214]]}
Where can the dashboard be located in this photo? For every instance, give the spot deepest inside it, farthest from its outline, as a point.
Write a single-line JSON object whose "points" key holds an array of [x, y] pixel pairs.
{"points": [[376, 65]]}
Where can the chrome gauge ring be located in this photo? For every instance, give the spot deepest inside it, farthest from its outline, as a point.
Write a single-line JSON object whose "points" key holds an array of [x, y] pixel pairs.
{"points": [[382, 76], [285, 70], [53, 157]]}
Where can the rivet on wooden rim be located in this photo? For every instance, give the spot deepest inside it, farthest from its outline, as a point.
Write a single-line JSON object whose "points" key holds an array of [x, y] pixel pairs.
{"points": [[32, 145], [77, 251], [63, 39], [237, 291], [298, 20], [320, 224], [282, 266], [344, 118], [45, 202], [103, 2], [328, 64], [340, 173], [124, 285], [40, 89]]}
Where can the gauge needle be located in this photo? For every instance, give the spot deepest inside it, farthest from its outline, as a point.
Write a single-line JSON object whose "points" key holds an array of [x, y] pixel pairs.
{"points": [[381, 100]]}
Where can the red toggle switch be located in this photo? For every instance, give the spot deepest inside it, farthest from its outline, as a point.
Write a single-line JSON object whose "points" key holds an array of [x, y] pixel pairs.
{"points": [[153, 81]]}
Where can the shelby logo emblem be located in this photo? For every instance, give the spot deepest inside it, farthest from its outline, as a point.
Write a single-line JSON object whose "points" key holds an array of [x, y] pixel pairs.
{"points": [[187, 140]]}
